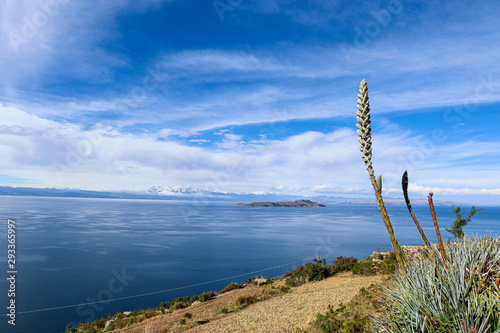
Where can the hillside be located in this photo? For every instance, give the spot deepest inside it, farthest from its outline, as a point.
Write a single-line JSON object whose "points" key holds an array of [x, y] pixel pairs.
{"points": [[284, 311]]}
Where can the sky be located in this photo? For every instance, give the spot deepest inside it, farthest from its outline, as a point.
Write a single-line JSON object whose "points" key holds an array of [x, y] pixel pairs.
{"points": [[251, 96]]}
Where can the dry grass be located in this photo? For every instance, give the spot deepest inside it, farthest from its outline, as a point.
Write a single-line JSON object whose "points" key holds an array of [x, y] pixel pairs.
{"points": [[277, 313]]}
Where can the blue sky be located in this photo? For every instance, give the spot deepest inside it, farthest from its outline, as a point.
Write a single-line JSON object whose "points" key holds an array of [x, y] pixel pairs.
{"points": [[251, 96]]}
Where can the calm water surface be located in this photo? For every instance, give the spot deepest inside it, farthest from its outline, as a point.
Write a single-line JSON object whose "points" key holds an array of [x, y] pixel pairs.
{"points": [[73, 251]]}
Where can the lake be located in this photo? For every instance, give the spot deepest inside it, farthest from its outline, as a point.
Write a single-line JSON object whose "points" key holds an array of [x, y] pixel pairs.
{"points": [[72, 251]]}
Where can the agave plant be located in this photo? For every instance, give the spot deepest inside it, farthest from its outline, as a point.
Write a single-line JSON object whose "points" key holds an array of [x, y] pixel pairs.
{"points": [[427, 297], [365, 146]]}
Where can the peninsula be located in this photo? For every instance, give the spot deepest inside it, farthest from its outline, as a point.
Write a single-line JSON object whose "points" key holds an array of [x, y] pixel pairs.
{"points": [[296, 203]]}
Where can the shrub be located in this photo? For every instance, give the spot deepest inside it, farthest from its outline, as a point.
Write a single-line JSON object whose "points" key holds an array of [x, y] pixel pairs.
{"points": [[206, 296], [283, 289], [269, 291], [150, 313], [389, 264], [327, 322], [246, 300], [352, 317], [188, 315], [180, 303], [341, 320], [364, 268], [231, 286], [312, 271], [224, 310], [183, 321], [341, 264], [456, 228], [430, 297]]}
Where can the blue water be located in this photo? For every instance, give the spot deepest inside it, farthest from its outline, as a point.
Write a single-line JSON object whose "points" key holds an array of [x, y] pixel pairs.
{"points": [[73, 251]]}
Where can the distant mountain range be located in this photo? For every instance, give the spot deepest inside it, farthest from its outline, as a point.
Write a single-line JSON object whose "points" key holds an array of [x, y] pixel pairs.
{"points": [[152, 193], [71, 193], [185, 193], [181, 190]]}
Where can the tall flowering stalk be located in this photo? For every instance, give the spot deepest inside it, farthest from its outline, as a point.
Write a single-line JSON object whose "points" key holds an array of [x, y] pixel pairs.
{"points": [[365, 146], [404, 183], [436, 226]]}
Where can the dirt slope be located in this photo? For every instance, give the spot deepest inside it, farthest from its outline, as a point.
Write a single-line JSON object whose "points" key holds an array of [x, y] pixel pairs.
{"points": [[278, 314]]}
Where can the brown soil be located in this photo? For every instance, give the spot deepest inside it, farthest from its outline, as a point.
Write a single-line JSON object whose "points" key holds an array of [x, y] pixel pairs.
{"points": [[277, 314]]}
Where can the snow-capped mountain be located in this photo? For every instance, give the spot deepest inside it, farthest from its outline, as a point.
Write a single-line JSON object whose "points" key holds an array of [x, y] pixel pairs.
{"points": [[181, 190]]}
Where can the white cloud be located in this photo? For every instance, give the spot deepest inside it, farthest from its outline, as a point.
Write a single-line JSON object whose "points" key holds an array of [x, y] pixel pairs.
{"points": [[43, 40], [210, 61], [284, 87], [335, 189], [232, 137], [260, 193], [104, 157], [425, 190], [292, 189], [13, 117], [168, 132]]}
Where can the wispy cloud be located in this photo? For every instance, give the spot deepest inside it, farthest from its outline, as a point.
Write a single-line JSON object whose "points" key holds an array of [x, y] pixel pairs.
{"points": [[210, 61], [59, 154]]}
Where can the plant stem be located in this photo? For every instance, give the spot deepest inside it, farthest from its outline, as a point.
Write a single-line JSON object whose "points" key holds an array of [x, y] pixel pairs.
{"points": [[433, 212], [387, 221], [404, 183]]}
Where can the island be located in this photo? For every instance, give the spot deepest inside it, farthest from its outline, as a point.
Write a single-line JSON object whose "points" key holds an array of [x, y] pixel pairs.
{"points": [[296, 203]]}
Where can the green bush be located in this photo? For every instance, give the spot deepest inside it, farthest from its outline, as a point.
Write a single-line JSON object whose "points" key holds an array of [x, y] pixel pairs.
{"points": [[456, 227], [389, 264], [352, 317], [328, 322], [341, 320], [206, 296], [461, 296], [364, 268], [188, 315], [231, 286], [342, 264], [180, 303], [312, 271]]}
